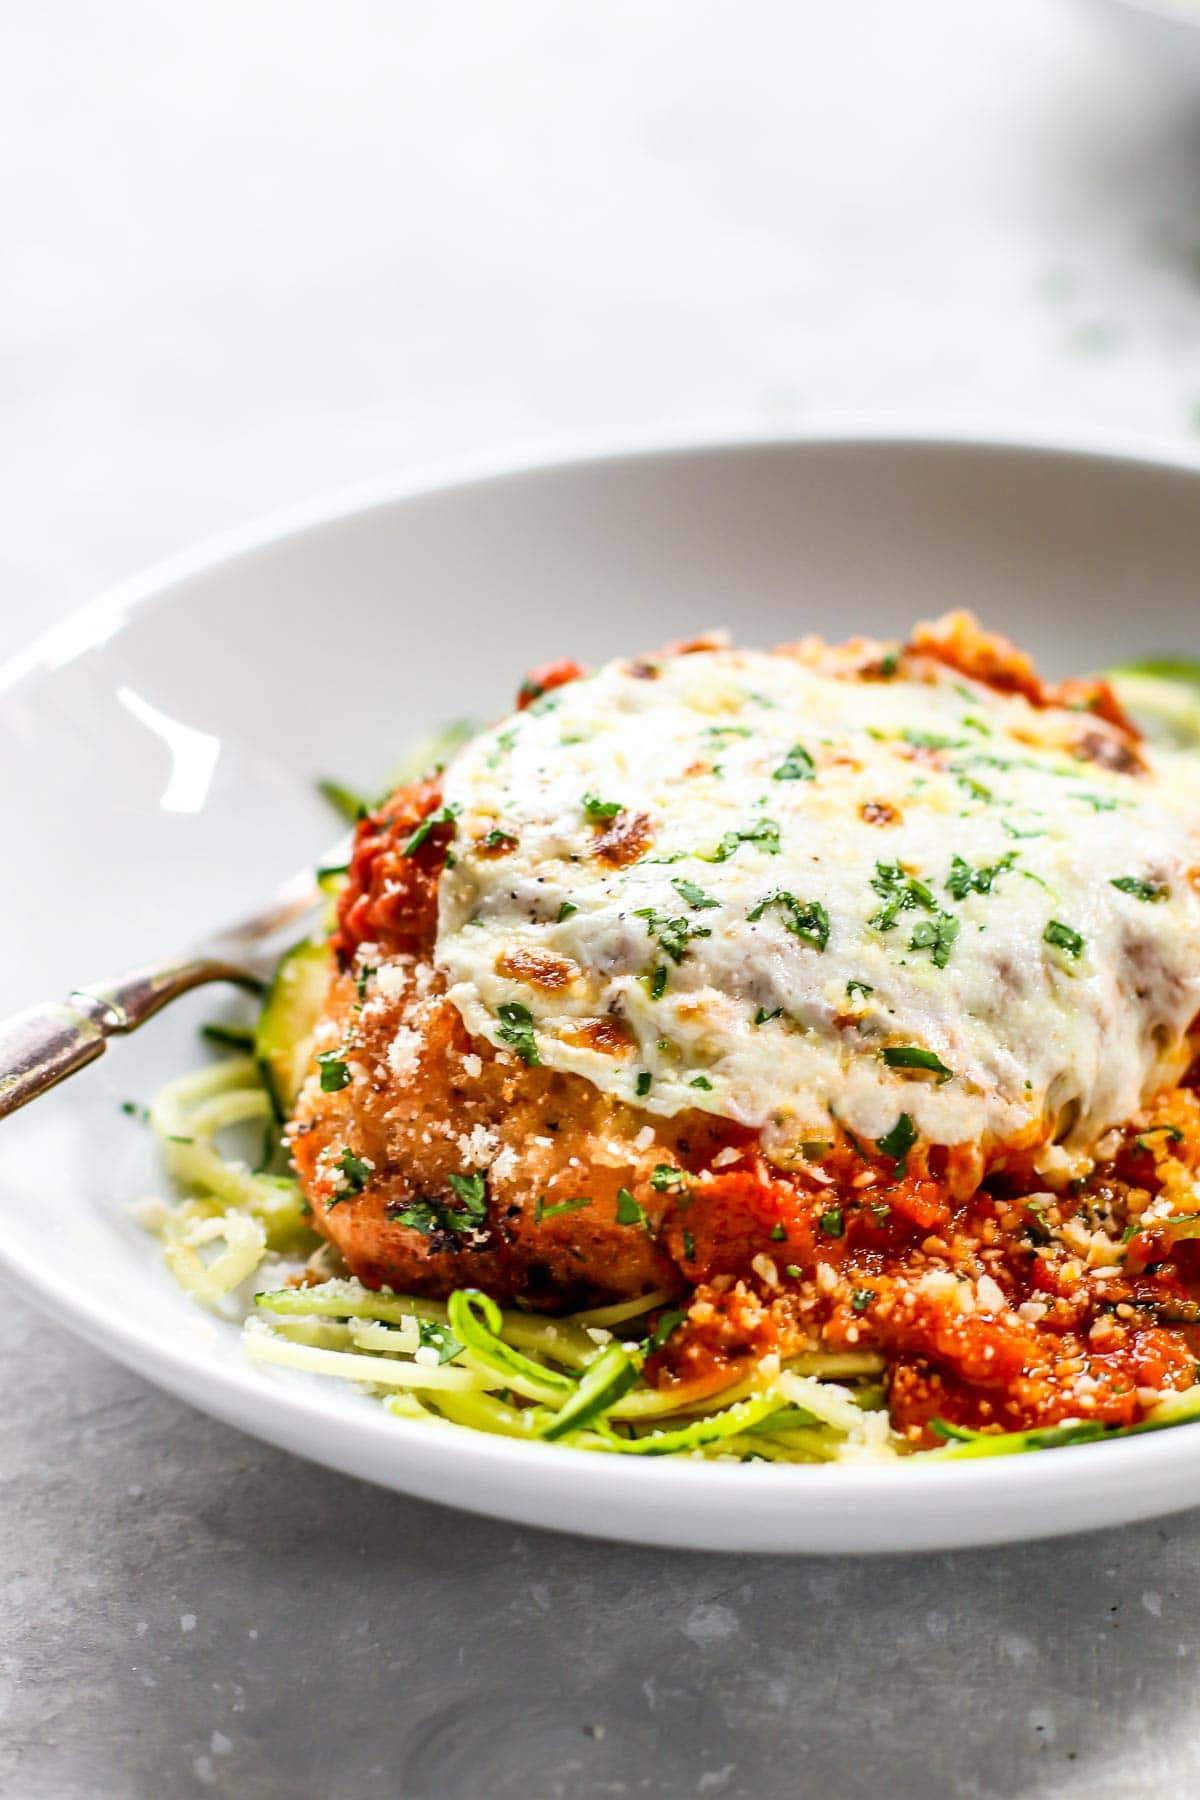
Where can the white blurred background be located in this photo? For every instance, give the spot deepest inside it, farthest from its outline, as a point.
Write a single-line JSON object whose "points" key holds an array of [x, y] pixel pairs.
{"points": [[253, 252]]}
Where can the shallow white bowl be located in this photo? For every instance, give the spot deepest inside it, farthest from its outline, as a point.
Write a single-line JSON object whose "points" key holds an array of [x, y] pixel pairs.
{"points": [[324, 647], [1165, 33]]}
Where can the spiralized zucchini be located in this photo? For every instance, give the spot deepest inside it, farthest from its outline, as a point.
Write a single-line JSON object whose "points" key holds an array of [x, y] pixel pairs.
{"points": [[469, 1364]]}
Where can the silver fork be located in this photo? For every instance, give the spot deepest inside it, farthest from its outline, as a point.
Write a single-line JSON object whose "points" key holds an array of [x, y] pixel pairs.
{"points": [[42, 1045]]}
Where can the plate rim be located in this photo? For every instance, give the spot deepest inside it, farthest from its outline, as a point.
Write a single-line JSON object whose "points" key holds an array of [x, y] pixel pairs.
{"points": [[475, 1471]]}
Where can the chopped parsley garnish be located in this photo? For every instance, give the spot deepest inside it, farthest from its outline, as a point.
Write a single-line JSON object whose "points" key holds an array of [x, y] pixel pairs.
{"points": [[976, 789], [335, 1075], [435, 1336], [628, 1210], [1141, 890], [1098, 802], [937, 936], [832, 1222], [763, 1017], [765, 833], [471, 1191], [667, 1179], [858, 987], [793, 1271], [516, 1030], [797, 765], [658, 982], [642, 1084], [1013, 831], [898, 1142], [695, 896], [805, 919], [701, 1081], [899, 893], [133, 1109], [1064, 937], [861, 1298], [888, 664], [963, 879], [504, 744], [565, 910], [497, 839], [911, 1056], [689, 1246], [668, 1322], [597, 811], [932, 740], [542, 1211], [430, 1216], [720, 732], [445, 815], [671, 935], [355, 1173]]}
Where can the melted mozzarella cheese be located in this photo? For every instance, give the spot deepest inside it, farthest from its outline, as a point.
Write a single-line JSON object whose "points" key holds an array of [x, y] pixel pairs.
{"points": [[835, 881]]}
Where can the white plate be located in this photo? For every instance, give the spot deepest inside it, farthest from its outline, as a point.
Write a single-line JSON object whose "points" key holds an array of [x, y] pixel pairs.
{"points": [[156, 756]]}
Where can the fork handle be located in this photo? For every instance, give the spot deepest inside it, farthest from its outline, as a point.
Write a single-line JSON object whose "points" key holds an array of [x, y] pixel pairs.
{"points": [[44, 1044]]}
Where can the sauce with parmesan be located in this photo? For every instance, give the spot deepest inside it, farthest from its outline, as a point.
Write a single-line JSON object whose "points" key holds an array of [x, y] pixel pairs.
{"points": [[773, 889]]}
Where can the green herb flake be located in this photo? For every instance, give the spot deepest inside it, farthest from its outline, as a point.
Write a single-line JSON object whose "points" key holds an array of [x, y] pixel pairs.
{"points": [[435, 1336], [542, 1211], [832, 1222], [936, 935], [671, 935], [911, 1056], [859, 987], [668, 1322], [133, 1109], [689, 1246], [701, 1081], [516, 1030], [778, 1234], [1064, 937], [861, 1299], [658, 982], [642, 1084], [335, 1073], [498, 839], [1140, 889], [765, 833], [597, 811], [565, 910], [629, 1212], [445, 815], [355, 1172], [793, 1271], [763, 1017], [804, 919], [797, 765], [667, 1179], [897, 1143], [695, 896], [963, 879], [900, 892]]}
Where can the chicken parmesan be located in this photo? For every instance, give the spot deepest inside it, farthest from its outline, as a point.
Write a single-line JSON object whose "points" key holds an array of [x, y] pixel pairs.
{"points": [[831, 1012]]}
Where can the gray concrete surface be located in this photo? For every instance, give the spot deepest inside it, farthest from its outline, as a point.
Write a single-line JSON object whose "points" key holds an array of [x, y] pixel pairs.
{"points": [[186, 1611], [252, 252]]}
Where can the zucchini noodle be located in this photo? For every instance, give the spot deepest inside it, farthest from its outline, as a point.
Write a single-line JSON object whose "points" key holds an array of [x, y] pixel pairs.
{"points": [[469, 1364]]}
